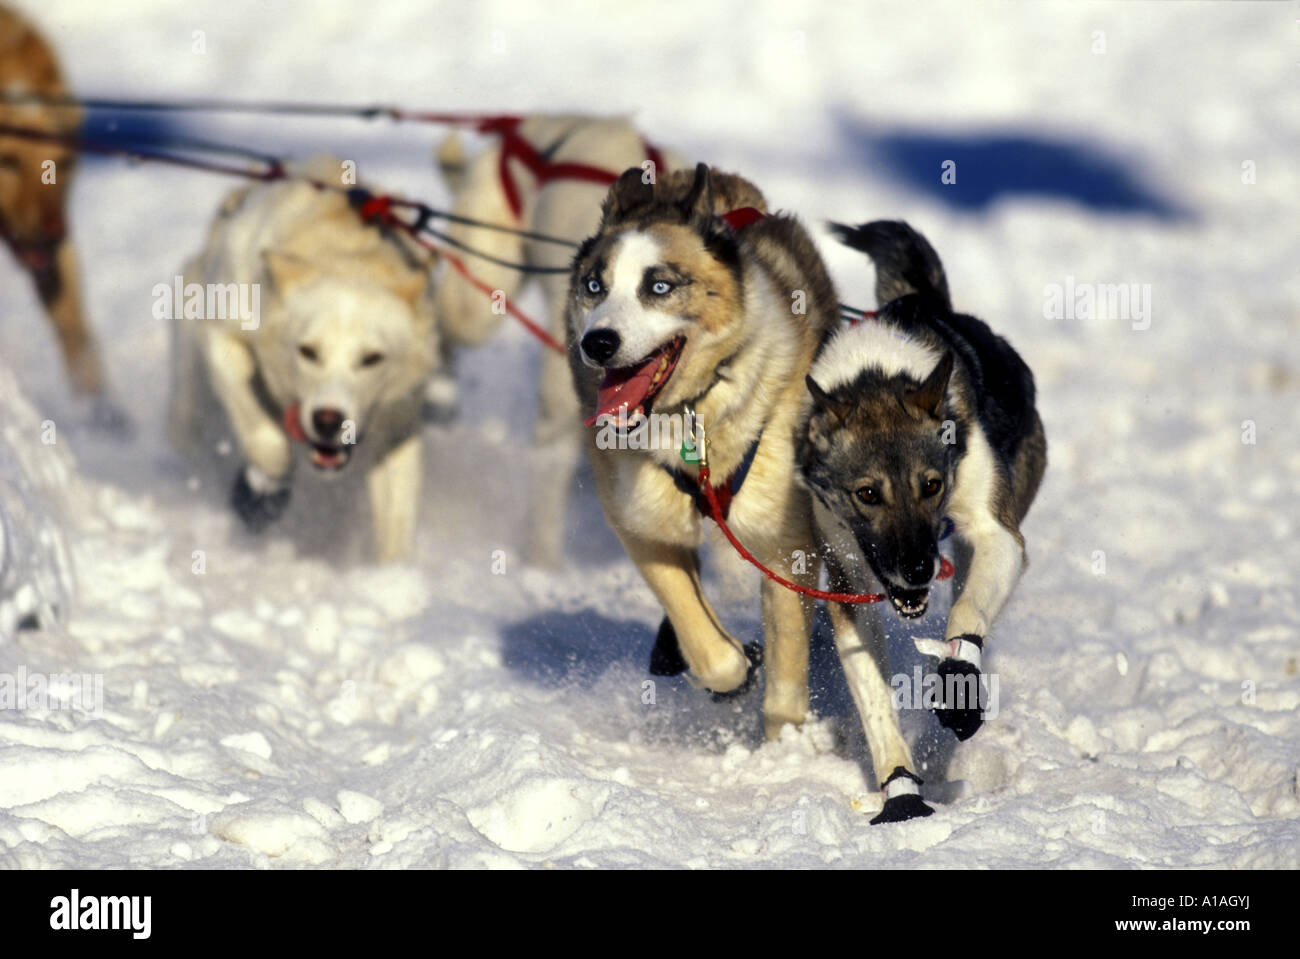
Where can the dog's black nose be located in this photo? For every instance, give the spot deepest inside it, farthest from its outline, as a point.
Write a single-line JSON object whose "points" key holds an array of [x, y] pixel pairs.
{"points": [[327, 422], [919, 571], [600, 345]]}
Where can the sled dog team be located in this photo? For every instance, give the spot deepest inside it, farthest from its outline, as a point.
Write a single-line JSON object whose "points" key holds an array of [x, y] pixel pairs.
{"points": [[855, 445], [862, 442]]}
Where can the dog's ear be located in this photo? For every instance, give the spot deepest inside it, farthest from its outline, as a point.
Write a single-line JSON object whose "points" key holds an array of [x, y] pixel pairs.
{"points": [[823, 400], [697, 206], [629, 192], [285, 270], [929, 396]]}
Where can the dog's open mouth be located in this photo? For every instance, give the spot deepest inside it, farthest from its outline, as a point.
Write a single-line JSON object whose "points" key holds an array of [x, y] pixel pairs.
{"points": [[627, 392], [326, 457], [910, 603]]}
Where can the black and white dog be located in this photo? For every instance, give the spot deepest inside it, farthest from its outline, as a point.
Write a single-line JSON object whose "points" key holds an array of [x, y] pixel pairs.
{"points": [[920, 418]]}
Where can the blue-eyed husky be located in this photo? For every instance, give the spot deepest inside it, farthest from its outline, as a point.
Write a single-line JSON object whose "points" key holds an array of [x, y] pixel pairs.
{"points": [[922, 417], [679, 307]]}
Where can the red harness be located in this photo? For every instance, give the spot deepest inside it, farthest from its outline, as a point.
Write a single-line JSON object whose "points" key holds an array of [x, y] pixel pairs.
{"points": [[515, 147]]}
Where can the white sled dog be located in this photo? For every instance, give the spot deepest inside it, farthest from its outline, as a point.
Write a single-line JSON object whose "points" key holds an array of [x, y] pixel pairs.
{"points": [[502, 186], [678, 309], [923, 417], [318, 350]]}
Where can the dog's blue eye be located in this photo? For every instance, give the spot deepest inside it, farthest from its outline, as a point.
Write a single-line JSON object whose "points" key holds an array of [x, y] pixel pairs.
{"points": [[593, 285], [661, 288]]}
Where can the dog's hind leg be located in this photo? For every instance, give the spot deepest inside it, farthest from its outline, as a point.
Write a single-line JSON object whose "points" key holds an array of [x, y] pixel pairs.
{"points": [[59, 288], [81, 355], [188, 379], [717, 660], [556, 454], [466, 317], [394, 488], [864, 654], [787, 616], [785, 523], [59, 291], [787, 625]]}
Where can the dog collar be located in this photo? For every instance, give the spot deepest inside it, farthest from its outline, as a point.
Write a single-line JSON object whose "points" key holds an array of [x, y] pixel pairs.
{"points": [[724, 493]]}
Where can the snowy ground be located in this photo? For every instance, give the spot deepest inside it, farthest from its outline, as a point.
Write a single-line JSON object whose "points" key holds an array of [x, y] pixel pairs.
{"points": [[279, 710]]}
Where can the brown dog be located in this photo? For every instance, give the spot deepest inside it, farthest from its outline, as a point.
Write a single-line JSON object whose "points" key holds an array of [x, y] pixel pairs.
{"points": [[34, 178]]}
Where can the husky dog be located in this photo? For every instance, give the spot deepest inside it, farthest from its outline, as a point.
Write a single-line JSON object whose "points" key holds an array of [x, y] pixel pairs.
{"points": [[559, 205], [33, 197], [674, 312], [335, 354], [921, 417]]}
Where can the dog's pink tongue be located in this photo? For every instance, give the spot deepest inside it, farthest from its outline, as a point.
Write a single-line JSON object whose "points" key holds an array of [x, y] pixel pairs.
{"points": [[627, 386], [293, 425]]}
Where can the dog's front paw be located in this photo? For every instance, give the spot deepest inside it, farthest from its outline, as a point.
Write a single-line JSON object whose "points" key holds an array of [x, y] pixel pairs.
{"points": [[269, 448], [754, 655], [902, 798], [959, 682], [666, 660], [257, 499], [902, 808]]}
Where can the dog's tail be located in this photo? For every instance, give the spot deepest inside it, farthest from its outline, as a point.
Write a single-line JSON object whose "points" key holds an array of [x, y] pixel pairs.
{"points": [[905, 261]]}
